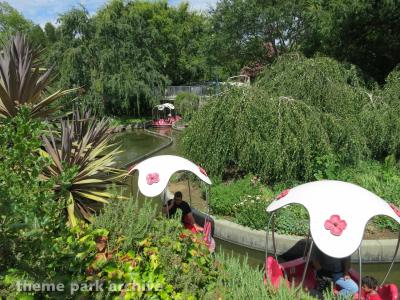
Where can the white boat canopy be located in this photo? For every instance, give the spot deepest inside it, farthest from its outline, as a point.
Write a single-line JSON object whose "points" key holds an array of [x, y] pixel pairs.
{"points": [[155, 172], [339, 212], [165, 105]]}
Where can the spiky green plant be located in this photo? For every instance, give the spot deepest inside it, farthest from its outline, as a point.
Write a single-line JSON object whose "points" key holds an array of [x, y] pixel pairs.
{"points": [[82, 163], [22, 82]]}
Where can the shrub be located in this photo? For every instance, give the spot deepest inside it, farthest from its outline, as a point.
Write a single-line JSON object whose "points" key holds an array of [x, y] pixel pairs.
{"points": [[29, 214], [251, 212], [224, 196], [382, 179], [300, 109], [386, 117], [238, 280], [81, 163], [126, 221], [187, 104], [321, 82]]}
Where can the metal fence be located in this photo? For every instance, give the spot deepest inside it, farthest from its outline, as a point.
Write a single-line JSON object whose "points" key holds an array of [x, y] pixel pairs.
{"points": [[199, 90]]}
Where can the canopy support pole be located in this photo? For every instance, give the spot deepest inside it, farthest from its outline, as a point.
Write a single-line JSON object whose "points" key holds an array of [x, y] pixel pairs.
{"points": [[360, 272], [273, 237], [207, 204], [266, 244], [190, 192], [307, 263], [394, 258], [306, 245]]}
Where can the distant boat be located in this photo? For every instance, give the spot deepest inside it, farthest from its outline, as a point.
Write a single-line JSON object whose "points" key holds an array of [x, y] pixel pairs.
{"points": [[164, 115]]}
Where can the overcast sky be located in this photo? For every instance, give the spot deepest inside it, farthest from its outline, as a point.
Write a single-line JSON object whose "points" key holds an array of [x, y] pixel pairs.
{"points": [[42, 11]]}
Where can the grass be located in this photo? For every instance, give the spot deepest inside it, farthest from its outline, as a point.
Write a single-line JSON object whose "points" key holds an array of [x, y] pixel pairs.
{"points": [[117, 121]]}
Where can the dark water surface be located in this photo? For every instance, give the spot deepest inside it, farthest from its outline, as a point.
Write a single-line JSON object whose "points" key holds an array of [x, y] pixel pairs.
{"points": [[138, 142]]}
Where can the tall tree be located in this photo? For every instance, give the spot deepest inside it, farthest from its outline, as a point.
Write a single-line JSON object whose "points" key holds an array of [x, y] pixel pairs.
{"points": [[362, 32], [247, 31], [50, 32], [11, 21]]}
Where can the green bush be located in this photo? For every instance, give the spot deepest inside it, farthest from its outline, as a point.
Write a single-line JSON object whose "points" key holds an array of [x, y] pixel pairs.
{"points": [[126, 221], [321, 82], [382, 179], [239, 281], [187, 104], [251, 212], [224, 196], [29, 214], [300, 109]]}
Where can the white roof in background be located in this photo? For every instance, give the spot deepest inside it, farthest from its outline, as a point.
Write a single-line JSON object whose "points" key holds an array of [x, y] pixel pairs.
{"points": [[155, 172], [329, 202], [165, 105]]}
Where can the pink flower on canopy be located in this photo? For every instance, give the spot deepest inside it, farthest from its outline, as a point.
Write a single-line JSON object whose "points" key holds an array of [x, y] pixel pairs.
{"points": [[282, 194], [202, 171], [335, 225], [152, 178], [396, 210]]}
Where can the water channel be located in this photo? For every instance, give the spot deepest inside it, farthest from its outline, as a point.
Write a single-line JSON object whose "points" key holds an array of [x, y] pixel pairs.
{"points": [[137, 143]]}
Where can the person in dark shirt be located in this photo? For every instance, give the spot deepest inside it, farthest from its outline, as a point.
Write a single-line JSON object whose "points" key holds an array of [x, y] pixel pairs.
{"points": [[335, 268], [187, 217]]}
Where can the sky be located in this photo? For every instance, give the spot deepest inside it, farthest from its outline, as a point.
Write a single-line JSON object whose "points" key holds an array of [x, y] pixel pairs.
{"points": [[42, 11]]}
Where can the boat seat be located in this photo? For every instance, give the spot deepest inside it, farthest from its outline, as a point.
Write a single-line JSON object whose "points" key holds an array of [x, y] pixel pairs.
{"points": [[388, 292], [275, 273]]}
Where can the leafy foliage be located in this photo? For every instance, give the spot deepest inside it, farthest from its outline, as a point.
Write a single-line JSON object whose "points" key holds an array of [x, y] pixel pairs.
{"points": [[321, 82], [238, 280], [116, 217], [277, 128], [349, 31], [251, 32], [29, 214], [81, 164], [126, 54], [224, 196], [187, 104], [21, 81]]}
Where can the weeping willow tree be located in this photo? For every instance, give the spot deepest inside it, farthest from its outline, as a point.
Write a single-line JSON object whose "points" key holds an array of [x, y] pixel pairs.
{"points": [[280, 133], [328, 85], [380, 118]]}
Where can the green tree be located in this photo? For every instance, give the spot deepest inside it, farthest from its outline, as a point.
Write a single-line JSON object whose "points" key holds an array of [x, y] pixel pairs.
{"points": [[361, 32], [245, 32], [50, 32], [11, 21], [126, 54]]}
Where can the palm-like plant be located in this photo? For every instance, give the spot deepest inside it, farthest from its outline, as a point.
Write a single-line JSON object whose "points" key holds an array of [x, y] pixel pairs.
{"points": [[22, 82], [81, 163]]}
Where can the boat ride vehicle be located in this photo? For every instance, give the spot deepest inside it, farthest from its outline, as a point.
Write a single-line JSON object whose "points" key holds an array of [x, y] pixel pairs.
{"points": [[153, 179], [339, 213], [164, 115]]}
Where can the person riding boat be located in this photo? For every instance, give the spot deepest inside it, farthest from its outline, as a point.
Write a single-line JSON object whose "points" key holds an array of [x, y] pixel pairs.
{"points": [[336, 269], [187, 217]]}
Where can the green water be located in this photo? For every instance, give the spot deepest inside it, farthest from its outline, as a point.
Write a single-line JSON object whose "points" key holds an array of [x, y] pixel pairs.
{"points": [[138, 142]]}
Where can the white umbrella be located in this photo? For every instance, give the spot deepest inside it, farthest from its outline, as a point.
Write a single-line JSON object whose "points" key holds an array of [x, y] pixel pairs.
{"points": [[339, 212]]}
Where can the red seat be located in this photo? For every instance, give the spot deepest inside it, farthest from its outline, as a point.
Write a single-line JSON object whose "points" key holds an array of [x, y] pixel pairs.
{"points": [[389, 292], [275, 273]]}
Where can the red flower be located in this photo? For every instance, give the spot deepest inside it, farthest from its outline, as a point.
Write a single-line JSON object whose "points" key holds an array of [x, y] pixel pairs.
{"points": [[335, 225], [152, 178], [396, 210], [202, 171], [283, 194]]}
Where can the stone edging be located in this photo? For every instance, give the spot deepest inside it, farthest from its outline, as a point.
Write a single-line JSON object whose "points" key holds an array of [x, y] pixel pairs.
{"points": [[372, 251]]}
